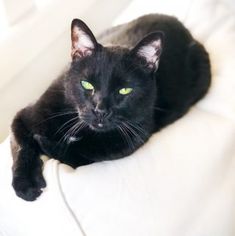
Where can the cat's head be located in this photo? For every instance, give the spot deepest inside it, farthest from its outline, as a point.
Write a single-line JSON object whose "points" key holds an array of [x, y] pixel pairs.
{"points": [[112, 86]]}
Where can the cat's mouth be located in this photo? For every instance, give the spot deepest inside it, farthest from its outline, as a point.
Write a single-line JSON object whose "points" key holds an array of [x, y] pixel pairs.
{"points": [[100, 127], [98, 124]]}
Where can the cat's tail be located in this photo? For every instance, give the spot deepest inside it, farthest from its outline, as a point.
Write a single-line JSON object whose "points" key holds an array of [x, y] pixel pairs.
{"points": [[198, 62]]}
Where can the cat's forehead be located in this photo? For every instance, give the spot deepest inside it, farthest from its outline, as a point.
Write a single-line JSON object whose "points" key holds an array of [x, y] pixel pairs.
{"points": [[104, 64], [110, 57]]}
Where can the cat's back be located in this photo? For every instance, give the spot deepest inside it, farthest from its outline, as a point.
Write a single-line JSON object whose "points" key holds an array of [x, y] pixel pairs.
{"points": [[131, 33]]}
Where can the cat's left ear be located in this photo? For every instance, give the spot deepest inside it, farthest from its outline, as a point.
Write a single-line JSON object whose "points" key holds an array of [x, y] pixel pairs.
{"points": [[83, 41], [149, 50]]}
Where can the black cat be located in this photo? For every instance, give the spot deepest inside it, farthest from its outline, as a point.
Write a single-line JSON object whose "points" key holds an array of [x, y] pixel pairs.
{"points": [[111, 99]]}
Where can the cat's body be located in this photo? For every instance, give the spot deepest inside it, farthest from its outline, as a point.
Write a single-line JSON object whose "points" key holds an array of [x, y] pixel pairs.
{"points": [[102, 122]]}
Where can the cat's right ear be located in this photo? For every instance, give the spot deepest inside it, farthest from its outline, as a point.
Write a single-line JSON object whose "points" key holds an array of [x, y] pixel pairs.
{"points": [[149, 50], [83, 41]]}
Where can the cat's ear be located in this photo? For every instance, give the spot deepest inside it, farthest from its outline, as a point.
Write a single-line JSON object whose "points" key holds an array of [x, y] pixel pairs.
{"points": [[149, 50], [83, 41]]}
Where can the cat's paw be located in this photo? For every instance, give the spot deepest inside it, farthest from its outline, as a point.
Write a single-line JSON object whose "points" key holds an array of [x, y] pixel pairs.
{"points": [[27, 188]]}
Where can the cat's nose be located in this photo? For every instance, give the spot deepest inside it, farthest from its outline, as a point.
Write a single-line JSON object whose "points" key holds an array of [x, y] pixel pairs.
{"points": [[102, 114], [101, 117]]}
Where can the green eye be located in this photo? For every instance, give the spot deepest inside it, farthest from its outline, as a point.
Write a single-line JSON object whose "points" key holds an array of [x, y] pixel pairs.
{"points": [[86, 85], [125, 91]]}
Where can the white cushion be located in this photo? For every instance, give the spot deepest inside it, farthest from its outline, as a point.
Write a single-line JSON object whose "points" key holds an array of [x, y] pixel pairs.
{"points": [[182, 182]]}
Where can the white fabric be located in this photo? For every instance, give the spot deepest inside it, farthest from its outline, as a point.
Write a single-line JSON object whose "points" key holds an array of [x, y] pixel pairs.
{"points": [[181, 183], [47, 216]]}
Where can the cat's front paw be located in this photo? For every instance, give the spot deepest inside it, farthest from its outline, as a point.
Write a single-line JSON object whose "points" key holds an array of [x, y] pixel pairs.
{"points": [[27, 188]]}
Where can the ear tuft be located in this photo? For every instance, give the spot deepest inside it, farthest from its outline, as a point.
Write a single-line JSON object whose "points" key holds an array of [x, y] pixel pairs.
{"points": [[150, 49], [83, 41]]}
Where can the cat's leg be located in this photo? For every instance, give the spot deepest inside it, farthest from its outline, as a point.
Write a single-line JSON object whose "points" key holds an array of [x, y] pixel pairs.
{"points": [[27, 180], [67, 153], [50, 148]]}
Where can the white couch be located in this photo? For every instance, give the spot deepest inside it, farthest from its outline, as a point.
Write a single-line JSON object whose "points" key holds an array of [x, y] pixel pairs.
{"points": [[181, 183]]}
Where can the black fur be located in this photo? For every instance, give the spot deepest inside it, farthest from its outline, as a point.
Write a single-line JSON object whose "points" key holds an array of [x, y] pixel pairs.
{"points": [[108, 125]]}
